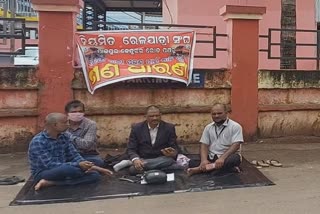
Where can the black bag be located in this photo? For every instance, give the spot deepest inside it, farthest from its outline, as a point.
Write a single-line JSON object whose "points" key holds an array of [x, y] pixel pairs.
{"points": [[155, 177]]}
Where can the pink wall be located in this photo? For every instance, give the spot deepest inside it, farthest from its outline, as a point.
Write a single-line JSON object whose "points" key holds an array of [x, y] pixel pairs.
{"points": [[206, 12], [306, 19]]}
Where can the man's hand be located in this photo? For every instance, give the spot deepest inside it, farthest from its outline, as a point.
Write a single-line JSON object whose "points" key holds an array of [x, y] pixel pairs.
{"points": [[103, 171], [219, 163], [203, 165], [169, 152], [85, 165], [138, 164]]}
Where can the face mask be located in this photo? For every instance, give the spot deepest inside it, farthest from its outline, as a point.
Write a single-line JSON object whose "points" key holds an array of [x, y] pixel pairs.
{"points": [[76, 116]]}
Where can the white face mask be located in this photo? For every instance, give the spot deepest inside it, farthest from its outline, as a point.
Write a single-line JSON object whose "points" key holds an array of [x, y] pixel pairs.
{"points": [[76, 116]]}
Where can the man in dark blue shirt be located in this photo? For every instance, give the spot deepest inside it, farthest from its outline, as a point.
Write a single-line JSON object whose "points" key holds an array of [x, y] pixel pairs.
{"points": [[53, 158]]}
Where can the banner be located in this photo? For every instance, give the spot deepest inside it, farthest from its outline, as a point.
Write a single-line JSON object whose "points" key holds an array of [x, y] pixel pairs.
{"points": [[112, 56]]}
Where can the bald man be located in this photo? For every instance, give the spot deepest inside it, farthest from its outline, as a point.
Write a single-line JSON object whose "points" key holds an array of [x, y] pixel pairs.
{"points": [[220, 144], [53, 158]]}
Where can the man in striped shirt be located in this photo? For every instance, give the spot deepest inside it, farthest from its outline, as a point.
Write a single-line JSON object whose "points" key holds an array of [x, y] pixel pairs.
{"points": [[53, 158]]}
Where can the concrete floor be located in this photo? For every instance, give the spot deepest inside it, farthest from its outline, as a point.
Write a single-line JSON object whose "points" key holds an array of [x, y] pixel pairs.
{"points": [[297, 189]]}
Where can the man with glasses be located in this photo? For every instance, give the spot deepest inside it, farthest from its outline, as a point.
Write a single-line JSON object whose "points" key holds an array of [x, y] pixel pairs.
{"points": [[152, 143]]}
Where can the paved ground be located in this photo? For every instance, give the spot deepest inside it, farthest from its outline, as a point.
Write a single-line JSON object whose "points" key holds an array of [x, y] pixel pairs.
{"points": [[297, 189]]}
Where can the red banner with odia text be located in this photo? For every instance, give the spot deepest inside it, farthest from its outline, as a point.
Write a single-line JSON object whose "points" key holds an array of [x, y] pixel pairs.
{"points": [[112, 56]]}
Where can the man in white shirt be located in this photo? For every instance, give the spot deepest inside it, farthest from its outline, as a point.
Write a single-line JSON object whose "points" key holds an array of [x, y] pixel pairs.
{"points": [[220, 144]]}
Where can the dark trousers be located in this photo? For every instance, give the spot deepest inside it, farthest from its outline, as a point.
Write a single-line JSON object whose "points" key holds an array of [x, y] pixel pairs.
{"points": [[232, 161], [67, 175], [154, 163]]}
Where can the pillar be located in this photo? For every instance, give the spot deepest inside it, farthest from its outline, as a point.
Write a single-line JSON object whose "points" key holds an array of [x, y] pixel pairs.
{"points": [[243, 59], [57, 26]]}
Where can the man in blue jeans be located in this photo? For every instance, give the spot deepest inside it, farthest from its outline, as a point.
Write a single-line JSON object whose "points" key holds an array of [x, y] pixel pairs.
{"points": [[55, 161], [83, 132]]}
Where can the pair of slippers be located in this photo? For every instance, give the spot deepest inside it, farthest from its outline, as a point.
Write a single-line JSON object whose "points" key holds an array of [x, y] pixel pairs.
{"points": [[267, 163], [10, 180]]}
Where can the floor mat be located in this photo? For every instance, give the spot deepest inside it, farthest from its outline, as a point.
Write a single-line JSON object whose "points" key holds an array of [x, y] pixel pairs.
{"points": [[112, 187]]}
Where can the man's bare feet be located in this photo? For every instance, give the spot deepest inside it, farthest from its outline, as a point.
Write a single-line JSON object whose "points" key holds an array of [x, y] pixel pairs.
{"points": [[197, 170], [43, 183], [210, 166], [192, 171], [101, 170]]}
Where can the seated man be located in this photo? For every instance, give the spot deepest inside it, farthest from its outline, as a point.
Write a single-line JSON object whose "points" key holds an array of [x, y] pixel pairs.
{"points": [[83, 132], [152, 143], [55, 161], [220, 144]]}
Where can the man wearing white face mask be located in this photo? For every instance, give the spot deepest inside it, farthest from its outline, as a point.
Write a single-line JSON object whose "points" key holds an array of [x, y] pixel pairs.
{"points": [[83, 132]]}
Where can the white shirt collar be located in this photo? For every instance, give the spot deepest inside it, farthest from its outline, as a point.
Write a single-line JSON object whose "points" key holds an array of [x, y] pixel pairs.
{"points": [[224, 124], [154, 127]]}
